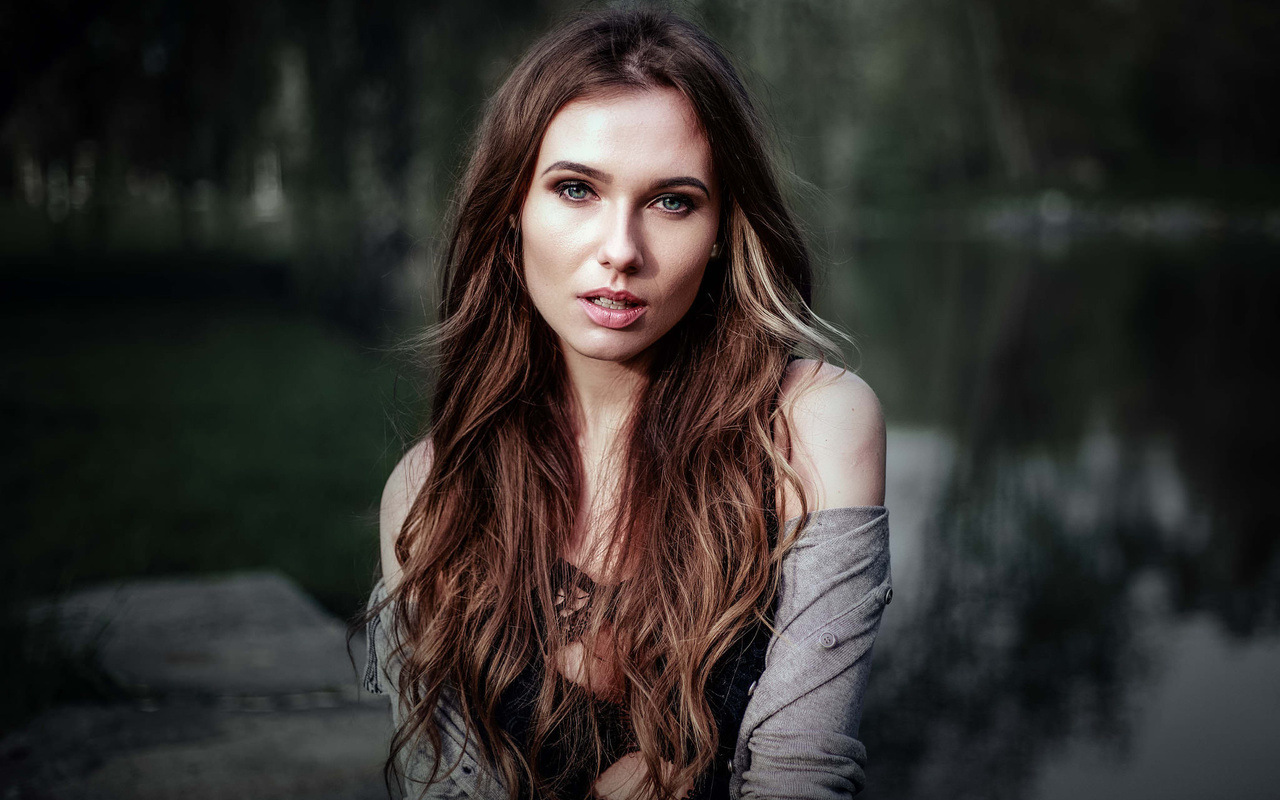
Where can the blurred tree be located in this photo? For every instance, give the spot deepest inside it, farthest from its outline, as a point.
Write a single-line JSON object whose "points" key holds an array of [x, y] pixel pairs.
{"points": [[328, 134]]}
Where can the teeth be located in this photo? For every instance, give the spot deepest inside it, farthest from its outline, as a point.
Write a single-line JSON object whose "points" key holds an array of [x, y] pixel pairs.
{"points": [[614, 304]]}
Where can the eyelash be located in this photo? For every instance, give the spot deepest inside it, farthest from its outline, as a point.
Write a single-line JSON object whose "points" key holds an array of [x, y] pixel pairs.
{"points": [[684, 199], [563, 187]]}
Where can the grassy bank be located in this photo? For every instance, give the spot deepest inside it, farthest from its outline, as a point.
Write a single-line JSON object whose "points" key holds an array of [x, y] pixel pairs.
{"points": [[157, 437], [160, 437]]}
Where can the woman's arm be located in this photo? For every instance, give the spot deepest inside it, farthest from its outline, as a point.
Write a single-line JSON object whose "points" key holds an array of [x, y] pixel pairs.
{"points": [[799, 733], [835, 439], [397, 498]]}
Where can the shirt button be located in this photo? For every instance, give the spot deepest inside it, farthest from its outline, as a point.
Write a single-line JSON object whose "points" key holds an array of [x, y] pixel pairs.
{"points": [[827, 640], [888, 595], [752, 688]]}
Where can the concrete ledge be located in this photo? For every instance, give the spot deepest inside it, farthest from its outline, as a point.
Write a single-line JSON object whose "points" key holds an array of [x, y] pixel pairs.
{"points": [[243, 689], [253, 634]]}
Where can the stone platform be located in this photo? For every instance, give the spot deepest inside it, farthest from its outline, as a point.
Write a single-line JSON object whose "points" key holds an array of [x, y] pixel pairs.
{"points": [[241, 688]]}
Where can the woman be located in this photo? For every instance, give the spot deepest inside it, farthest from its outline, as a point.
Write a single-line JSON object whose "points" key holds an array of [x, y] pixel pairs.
{"points": [[584, 590]]}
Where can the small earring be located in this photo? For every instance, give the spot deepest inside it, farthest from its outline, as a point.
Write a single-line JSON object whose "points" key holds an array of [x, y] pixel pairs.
{"points": [[716, 250]]}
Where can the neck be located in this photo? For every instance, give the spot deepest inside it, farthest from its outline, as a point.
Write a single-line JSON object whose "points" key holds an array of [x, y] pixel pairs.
{"points": [[604, 393], [604, 396]]}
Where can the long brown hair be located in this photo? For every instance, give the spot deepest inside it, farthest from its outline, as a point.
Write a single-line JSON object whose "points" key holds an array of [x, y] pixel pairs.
{"points": [[500, 499]]}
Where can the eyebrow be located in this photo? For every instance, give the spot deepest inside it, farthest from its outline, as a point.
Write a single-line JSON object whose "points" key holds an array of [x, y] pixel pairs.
{"points": [[604, 177], [684, 180]]}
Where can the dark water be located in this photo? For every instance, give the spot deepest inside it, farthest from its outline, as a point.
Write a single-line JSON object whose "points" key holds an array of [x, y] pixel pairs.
{"points": [[1081, 461], [1081, 469]]}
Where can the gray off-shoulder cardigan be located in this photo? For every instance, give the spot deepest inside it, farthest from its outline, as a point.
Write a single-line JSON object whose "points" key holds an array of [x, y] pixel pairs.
{"points": [[799, 734]]}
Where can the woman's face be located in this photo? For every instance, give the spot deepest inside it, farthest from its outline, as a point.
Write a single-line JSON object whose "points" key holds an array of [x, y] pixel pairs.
{"points": [[619, 222]]}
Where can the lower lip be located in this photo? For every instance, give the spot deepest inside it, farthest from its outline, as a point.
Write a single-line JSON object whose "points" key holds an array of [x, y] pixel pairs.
{"points": [[612, 317]]}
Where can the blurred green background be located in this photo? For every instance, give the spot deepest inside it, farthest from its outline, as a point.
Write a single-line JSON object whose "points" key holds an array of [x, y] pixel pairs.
{"points": [[1052, 229]]}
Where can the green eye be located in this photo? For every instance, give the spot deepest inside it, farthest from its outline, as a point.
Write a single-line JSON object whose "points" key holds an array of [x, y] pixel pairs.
{"points": [[672, 203], [575, 191]]}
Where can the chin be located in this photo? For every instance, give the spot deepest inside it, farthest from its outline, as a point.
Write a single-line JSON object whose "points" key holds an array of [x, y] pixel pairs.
{"points": [[615, 355], [613, 348]]}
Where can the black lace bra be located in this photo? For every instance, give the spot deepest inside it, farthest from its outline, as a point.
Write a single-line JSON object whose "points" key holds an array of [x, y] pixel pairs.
{"points": [[729, 688]]}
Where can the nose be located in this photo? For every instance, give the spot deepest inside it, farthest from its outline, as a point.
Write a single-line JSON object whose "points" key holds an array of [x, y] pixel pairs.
{"points": [[620, 242]]}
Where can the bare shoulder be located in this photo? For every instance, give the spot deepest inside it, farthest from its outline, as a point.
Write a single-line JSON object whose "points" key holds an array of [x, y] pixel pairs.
{"points": [[837, 437], [397, 498]]}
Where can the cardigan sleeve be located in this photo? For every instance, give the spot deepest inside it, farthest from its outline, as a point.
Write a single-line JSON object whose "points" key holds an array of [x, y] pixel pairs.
{"points": [[463, 774], [799, 737]]}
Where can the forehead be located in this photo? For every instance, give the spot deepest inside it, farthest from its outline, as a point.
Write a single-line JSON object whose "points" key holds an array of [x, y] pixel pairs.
{"points": [[646, 134]]}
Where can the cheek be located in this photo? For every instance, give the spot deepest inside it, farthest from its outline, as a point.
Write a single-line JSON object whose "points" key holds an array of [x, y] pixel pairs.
{"points": [[547, 245], [537, 256], [684, 255], [686, 283]]}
